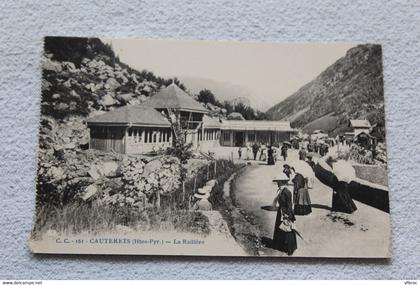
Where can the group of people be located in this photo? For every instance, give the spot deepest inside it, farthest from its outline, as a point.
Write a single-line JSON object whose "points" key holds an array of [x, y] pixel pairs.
{"points": [[298, 202], [264, 152]]}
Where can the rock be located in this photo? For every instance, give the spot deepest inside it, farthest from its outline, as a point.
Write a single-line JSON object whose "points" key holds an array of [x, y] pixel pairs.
{"points": [[85, 61], [56, 173], [94, 172], [48, 64], [108, 100], [70, 146], [125, 98], [108, 169], [112, 84], [69, 66], [74, 94], [130, 200], [62, 106], [90, 191]]}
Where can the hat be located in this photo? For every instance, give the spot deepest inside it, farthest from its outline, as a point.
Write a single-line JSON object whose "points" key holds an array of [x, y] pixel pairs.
{"points": [[201, 196], [281, 177], [206, 189]]}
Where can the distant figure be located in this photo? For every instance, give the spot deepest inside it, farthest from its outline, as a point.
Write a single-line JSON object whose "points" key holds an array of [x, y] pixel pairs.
{"points": [[255, 150], [284, 151], [301, 198], [284, 238], [341, 200], [302, 153], [310, 147], [310, 162], [270, 156], [262, 152], [240, 152], [248, 151]]}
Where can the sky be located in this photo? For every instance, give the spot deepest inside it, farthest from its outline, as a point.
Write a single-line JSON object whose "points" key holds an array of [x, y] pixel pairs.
{"points": [[270, 71]]}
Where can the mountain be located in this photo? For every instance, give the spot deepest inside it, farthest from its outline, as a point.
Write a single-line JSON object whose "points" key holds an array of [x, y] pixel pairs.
{"points": [[224, 91], [351, 88]]}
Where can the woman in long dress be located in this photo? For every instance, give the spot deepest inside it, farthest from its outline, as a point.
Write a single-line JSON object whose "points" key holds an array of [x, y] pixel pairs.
{"points": [[270, 156], [301, 198], [341, 200], [284, 241]]}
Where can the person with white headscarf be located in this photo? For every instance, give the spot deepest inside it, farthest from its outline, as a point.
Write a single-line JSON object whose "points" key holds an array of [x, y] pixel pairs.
{"points": [[341, 199]]}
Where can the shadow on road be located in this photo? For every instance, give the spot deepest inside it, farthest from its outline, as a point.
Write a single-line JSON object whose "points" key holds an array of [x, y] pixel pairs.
{"points": [[318, 206], [270, 208]]}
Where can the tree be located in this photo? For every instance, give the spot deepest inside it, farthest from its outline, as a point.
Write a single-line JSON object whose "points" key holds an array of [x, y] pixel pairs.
{"points": [[206, 96]]}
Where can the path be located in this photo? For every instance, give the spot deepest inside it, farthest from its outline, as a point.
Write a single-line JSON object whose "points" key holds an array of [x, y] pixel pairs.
{"points": [[324, 237]]}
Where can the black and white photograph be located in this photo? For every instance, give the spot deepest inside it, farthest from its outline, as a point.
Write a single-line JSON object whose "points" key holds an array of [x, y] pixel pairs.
{"points": [[211, 148]]}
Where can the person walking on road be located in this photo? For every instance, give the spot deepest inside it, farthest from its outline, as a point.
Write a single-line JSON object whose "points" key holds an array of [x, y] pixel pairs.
{"points": [[240, 152], [284, 238], [284, 151], [248, 151], [341, 199], [255, 149], [301, 198], [302, 153], [270, 156]]}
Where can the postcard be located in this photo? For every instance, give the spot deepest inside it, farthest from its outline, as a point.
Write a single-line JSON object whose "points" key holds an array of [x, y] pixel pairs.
{"points": [[211, 148]]}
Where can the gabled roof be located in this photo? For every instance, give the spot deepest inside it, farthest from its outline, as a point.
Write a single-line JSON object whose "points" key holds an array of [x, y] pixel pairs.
{"points": [[173, 97], [283, 126], [360, 124], [136, 115], [210, 122]]}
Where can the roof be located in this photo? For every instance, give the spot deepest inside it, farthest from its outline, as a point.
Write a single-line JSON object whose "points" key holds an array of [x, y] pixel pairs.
{"points": [[137, 115], [173, 97], [256, 125], [210, 122], [360, 124]]}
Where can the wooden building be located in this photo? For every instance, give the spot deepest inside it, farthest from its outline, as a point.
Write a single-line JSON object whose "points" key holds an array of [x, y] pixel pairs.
{"points": [[130, 130], [149, 126], [241, 133], [359, 126], [209, 136], [182, 109]]}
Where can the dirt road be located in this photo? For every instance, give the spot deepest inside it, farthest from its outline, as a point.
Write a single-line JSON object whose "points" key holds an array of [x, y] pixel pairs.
{"points": [[365, 233]]}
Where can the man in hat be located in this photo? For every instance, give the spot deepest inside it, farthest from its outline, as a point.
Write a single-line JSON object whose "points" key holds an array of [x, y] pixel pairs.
{"points": [[201, 202]]}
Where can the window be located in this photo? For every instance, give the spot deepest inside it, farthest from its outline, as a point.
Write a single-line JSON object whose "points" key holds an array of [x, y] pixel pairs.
{"points": [[226, 136], [251, 137], [155, 135]]}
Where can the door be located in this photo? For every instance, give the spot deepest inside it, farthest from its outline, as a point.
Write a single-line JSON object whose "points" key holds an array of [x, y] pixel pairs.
{"points": [[239, 139]]}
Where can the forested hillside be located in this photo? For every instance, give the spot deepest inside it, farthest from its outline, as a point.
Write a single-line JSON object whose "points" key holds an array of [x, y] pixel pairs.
{"points": [[351, 88]]}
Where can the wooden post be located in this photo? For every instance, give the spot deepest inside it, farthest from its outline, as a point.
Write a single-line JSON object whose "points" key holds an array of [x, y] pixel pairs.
{"points": [[215, 169]]}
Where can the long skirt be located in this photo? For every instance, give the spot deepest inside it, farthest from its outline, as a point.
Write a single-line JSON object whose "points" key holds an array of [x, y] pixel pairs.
{"points": [[302, 202], [341, 201], [270, 160], [284, 241]]}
